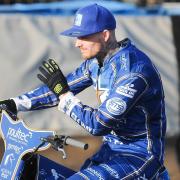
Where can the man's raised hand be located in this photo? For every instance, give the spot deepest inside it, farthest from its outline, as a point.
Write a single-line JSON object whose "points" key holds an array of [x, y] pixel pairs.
{"points": [[52, 76]]}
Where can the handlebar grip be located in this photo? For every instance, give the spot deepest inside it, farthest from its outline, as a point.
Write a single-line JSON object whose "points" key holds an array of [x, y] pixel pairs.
{"points": [[76, 143]]}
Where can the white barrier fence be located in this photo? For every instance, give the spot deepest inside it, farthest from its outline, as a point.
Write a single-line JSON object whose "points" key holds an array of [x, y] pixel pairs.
{"points": [[26, 40]]}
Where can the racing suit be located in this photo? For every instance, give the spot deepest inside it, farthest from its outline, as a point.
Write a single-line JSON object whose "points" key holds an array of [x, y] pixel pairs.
{"points": [[131, 117]]}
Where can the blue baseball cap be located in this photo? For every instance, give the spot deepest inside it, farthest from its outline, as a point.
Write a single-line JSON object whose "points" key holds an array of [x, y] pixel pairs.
{"points": [[89, 20]]}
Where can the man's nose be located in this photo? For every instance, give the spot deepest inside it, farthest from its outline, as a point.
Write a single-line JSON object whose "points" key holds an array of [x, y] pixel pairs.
{"points": [[78, 43]]}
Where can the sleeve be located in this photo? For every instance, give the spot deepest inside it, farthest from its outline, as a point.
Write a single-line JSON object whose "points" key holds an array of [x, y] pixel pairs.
{"points": [[80, 79], [42, 97], [121, 99]]}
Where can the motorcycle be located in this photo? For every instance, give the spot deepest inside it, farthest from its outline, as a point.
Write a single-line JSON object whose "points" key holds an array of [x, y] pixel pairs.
{"points": [[20, 159]]}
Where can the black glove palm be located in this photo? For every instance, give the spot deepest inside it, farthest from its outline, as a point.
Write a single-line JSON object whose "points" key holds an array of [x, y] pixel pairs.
{"points": [[53, 77]]}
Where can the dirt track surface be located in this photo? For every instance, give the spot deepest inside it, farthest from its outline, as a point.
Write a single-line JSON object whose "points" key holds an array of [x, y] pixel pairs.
{"points": [[76, 157]]}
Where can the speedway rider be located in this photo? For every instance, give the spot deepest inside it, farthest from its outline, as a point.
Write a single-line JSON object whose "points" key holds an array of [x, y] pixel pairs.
{"points": [[131, 115]]}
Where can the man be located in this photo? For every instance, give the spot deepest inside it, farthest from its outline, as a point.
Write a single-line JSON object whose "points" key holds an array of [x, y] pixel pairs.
{"points": [[131, 115]]}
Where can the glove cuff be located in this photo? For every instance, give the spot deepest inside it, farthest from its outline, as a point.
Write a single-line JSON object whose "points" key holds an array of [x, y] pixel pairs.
{"points": [[67, 102]]}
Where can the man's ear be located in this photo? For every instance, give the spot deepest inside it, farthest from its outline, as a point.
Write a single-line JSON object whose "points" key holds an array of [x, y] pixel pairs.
{"points": [[106, 35]]}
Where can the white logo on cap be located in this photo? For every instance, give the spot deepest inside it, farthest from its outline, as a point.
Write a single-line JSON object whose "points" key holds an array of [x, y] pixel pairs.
{"points": [[78, 20]]}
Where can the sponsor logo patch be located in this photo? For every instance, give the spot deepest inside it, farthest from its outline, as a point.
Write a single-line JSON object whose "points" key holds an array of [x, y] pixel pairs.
{"points": [[18, 135], [58, 88], [126, 90], [124, 61], [95, 173], [9, 159], [111, 171], [116, 106]]}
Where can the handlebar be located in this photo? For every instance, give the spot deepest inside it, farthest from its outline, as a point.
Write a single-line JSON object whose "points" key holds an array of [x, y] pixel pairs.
{"points": [[58, 141], [76, 143]]}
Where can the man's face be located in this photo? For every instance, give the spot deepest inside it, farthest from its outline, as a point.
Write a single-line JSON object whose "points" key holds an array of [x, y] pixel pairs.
{"points": [[91, 46]]}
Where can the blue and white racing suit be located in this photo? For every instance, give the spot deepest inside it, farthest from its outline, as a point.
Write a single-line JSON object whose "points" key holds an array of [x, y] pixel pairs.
{"points": [[131, 117]]}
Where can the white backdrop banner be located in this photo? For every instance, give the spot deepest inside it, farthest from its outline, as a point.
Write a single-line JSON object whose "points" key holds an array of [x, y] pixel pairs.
{"points": [[27, 40]]}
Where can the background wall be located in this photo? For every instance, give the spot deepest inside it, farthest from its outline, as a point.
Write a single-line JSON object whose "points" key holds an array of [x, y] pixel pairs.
{"points": [[25, 41]]}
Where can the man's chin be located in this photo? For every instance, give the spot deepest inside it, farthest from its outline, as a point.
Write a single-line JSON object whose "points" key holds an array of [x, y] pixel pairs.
{"points": [[88, 58]]}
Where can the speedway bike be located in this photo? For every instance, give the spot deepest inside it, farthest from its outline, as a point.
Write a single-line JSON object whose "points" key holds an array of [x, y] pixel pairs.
{"points": [[21, 160]]}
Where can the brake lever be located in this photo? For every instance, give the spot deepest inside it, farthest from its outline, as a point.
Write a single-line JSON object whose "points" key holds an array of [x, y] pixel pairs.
{"points": [[57, 143], [63, 151]]}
